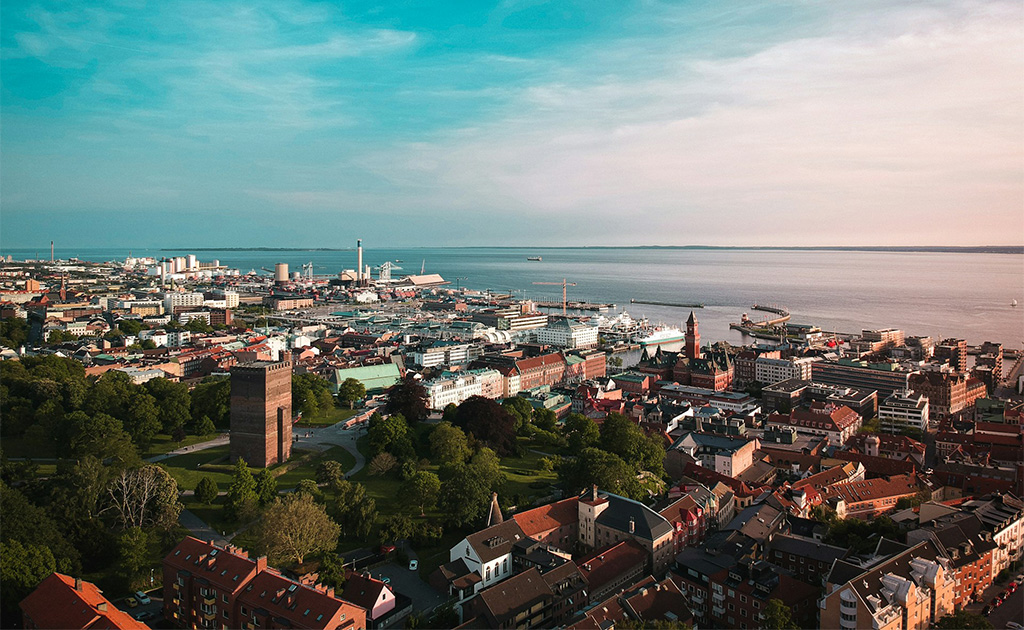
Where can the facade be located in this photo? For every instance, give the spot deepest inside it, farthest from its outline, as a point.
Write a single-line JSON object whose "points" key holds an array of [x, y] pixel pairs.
{"points": [[769, 370], [836, 423], [606, 519], [947, 394], [884, 378], [564, 333], [62, 602], [725, 455], [206, 586], [446, 353], [261, 412], [953, 352], [871, 497], [903, 410], [456, 387]]}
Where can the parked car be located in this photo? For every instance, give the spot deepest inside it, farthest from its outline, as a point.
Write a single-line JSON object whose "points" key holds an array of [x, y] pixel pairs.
{"points": [[414, 565], [996, 602], [1013, 625], [986, 610], [142, 597], [145, 615], [131, 601]]}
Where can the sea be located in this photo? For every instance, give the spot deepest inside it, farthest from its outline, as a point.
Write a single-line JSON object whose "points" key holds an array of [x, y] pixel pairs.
{"points": [[934, 293]]}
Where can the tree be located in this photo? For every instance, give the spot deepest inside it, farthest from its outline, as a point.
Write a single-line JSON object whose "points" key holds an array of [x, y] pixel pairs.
{"points": [[205, 427], [545, 419], [390, 435], [212, 398], [266, 487], [242, 498], [520, 409], [311, 394], [581, 432], [132, 545], [30, 525], [778, 616], [331, 570], [22, 568], [308, 486], [395, 528], [144, 497], [422, 489], [354, 510], [173, 403], [463, 496], [350, 391], [206, 490], [409, 398], [448, 444], [329, 472], [142, 417], [294, 527], [964, 620], [382, 463], [489, 422], [606, 470], [622, 436], [101, 436]]}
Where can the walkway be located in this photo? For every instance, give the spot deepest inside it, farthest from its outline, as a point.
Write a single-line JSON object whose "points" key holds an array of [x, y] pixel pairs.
{"points": [[198, 528], [220, 440], [322, 438]]}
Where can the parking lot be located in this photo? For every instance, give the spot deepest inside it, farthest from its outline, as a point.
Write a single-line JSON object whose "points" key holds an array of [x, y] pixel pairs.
{"points": [[148, 613], [408, 582]]}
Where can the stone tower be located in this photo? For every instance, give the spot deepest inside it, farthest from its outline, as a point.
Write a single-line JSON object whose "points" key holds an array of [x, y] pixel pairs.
{"points": [[692, 338], [261, 412]]}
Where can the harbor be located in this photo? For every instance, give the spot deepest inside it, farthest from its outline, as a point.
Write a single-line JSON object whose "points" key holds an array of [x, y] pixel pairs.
{"points": [[672, 304]]}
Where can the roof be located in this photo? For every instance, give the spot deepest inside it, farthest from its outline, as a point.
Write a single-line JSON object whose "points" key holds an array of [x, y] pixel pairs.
{"points": [[657, 601], [547, 517], [362, 590], [872, 489], [221, 567], [496, 540], [282, 597], [608, 565], [827, 477], [516, 593], [756, 521], [807, 547], [57, 603], [621, 512]]}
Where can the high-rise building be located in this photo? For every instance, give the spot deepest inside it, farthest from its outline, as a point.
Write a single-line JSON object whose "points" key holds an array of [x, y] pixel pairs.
{"points": [[261, 412], [954, 352]]}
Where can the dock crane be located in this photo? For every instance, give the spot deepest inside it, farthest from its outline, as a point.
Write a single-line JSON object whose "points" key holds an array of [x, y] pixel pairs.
{"points": [[564, 285]]}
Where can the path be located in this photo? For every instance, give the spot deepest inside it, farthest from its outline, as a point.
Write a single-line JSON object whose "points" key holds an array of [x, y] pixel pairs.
{"points": [[322, 438], [198, 528], [220, 440]]}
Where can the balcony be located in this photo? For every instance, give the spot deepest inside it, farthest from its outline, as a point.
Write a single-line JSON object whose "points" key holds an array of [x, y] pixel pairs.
{"points": [[697, 598], [210, 616], [717, 611], [209, 600]]}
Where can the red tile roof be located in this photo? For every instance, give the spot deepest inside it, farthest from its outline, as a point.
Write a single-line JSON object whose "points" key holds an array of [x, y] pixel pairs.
{"points": [[225, 569], [547, 517], [56, 603], [302, 605], [605, 566]]}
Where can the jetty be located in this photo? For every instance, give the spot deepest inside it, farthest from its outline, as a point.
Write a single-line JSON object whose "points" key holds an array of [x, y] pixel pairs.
{"points": [[749, 326], [577, 306], [675, 304]]}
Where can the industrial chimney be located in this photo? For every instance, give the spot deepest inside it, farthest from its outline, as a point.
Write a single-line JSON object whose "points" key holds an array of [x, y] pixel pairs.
{"points": [[359, 261]]}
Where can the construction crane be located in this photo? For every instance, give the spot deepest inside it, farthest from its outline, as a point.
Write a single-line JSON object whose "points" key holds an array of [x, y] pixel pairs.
{"points": [[458, 282], [564, 285]]}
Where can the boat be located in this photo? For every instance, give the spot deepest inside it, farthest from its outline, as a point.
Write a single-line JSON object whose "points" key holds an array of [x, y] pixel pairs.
{"points": [[1013, 303], [659, 336], [534, 258], [398, 260]]}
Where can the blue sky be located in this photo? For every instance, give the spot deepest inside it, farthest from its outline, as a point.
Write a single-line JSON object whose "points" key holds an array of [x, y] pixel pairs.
{"points": [[470, 123]]}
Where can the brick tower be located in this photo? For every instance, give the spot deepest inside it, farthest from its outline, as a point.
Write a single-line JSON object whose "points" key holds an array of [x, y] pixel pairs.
{"points": [[692, 338], [261, 412]]}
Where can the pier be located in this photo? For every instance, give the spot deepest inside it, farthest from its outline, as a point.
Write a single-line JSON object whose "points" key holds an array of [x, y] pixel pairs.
{"points": [[575, 306], [675, 304], [762, 327]]}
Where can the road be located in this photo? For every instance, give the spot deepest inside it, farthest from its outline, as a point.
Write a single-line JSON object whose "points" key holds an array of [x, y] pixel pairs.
{"points": [[322, 438], [220, 440], [1010, 610]]}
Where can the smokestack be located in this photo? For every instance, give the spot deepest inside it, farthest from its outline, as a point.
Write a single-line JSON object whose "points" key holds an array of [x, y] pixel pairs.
{"points": [[51, 251], [359, 260]]}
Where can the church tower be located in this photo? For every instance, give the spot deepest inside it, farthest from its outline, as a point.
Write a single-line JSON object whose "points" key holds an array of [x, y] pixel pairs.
{"points": [[692, 347]]}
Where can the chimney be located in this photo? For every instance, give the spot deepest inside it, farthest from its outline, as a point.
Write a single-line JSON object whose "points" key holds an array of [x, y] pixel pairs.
{"points": [[359, 261], [632, 525], [78, 584], [593, 492]]}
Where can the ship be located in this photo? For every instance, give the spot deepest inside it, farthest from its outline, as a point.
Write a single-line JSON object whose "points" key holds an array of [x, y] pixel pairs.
{"points": [[659, 336], [535, 258]]}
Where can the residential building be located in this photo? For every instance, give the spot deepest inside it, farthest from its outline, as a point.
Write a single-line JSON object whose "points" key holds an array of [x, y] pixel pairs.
{"points": [[903, 410], [953, 352], [62, 602], [836, 423], [871, 497], [885, 378], [806, 559], [910, 591], [611, 569], [726, 455], [530, 599], [948, 394], [772, 370], [961, 539], [452, 388], [648, 601], [606, 519], [1003, 516], [445, 353], [207, 586]]}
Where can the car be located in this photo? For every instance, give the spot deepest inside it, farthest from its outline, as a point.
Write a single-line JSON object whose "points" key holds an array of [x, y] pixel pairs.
{"points": [[142, 597], [1012, 588], [145, 615], [1013, 625], [132, 602], [414, 565], [986, 611], [995, 603]]}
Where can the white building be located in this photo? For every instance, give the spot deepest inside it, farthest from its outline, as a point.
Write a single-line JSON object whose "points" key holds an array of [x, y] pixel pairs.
{"points": [[446, 354], [903, 410], [456, 387], [190, 300], [565, 333], [140, 376], [184, 318], [775, 370]]}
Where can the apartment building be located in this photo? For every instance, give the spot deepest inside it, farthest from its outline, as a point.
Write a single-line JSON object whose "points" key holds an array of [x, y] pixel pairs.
{"points": [[903, 410], [452, 388]]}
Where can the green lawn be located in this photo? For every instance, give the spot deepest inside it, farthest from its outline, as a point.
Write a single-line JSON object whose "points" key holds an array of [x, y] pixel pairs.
{"points": [[189, 468], [213, 514], [332, 416], [523, 471], [163, 443], [307, 469]]}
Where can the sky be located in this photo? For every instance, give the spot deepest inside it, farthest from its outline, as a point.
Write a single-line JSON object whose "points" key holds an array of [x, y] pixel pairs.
{"points": [[291, 124]]}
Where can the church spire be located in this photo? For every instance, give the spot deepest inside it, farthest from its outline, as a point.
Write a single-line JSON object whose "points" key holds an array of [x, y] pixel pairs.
{"points": [[494, 514]]}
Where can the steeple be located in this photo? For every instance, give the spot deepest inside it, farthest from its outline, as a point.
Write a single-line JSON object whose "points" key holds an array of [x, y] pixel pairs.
{"points": [[494, 514]]}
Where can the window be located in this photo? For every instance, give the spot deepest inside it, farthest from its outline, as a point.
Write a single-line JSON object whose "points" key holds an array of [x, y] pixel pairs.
{"points": [[488, 572], [743, 598], [743, 612], [757, 604], [732, 606], [245, 613], [225, 614], [224, 598]]}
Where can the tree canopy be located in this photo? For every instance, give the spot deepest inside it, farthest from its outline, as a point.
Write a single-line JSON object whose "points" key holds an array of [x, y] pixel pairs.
{"points": [[448, 444], [295, 527], [409, 398], [350, 391], [488, 422], [608, 471]]}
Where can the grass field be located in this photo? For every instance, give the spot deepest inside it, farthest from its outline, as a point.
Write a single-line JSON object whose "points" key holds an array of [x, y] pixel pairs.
{"points": [[307, 469], [332, 416], [189, 468], [163, 443]]}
